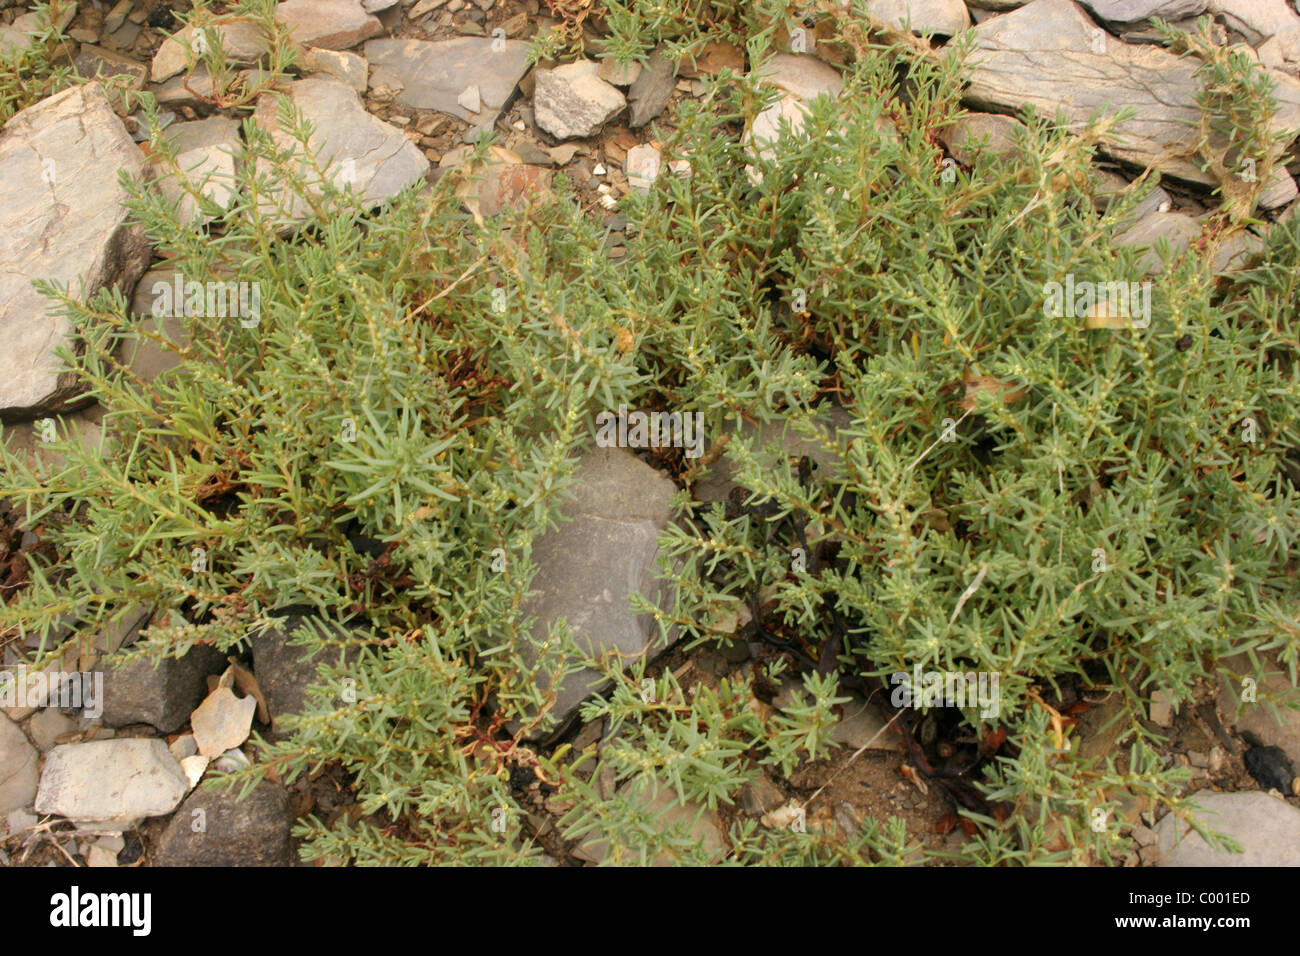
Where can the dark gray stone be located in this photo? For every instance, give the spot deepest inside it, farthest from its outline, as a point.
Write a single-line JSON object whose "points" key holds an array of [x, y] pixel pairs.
{"points": [[650, 92], [590, 565], [162, 696], [63, 206], [254, 831], [286, 672]]}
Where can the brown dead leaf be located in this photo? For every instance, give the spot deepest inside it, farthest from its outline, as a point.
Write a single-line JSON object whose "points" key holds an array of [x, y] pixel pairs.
{"points": [[246, 685]]}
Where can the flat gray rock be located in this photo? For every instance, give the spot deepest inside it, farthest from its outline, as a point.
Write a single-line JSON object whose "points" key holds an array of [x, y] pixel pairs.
{"points": [[1266, 827], [1051, 55], [589, 566], [328, 24], [65, 221], [572, 101], [111, 780], [18, 773], [351, 146], [212, 828], [146, 357], [1140, 11], [1177, 227], [432, 75]]}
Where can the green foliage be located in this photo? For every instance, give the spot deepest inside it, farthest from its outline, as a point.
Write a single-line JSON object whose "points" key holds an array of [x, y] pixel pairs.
{"points": [[419, 387]]}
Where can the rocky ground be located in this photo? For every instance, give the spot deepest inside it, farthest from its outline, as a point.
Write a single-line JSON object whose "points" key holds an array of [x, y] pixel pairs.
{"points": [[397, 90]]}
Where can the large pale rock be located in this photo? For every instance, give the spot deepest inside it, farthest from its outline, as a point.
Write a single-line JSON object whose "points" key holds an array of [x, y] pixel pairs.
{"points": [[254, 831], [1267, 829], [65, 219], [589, 566], [111, 780], [18, 774], [433, 75], [1259, 20], [1050, 55], [572, 101], [242, 41], [351, 146], [328, 24], [942, 17]]}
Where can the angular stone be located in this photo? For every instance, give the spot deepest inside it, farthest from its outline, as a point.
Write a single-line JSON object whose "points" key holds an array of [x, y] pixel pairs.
{"points": [[1050, 55], [162, 696], [64, 208], [432, 75], [241, 41], [1279, 190], [1267, 829], [1179, 228], [941, 17], [989, 134], [572, 101], [286, 672], [1258, 19], [18, 767], [352, 146], [1140, 11], [328, 24], [651, 90], [254, 831], [346, 67], [206, 160], [642, 167], [590, 565], [111, 780]]}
